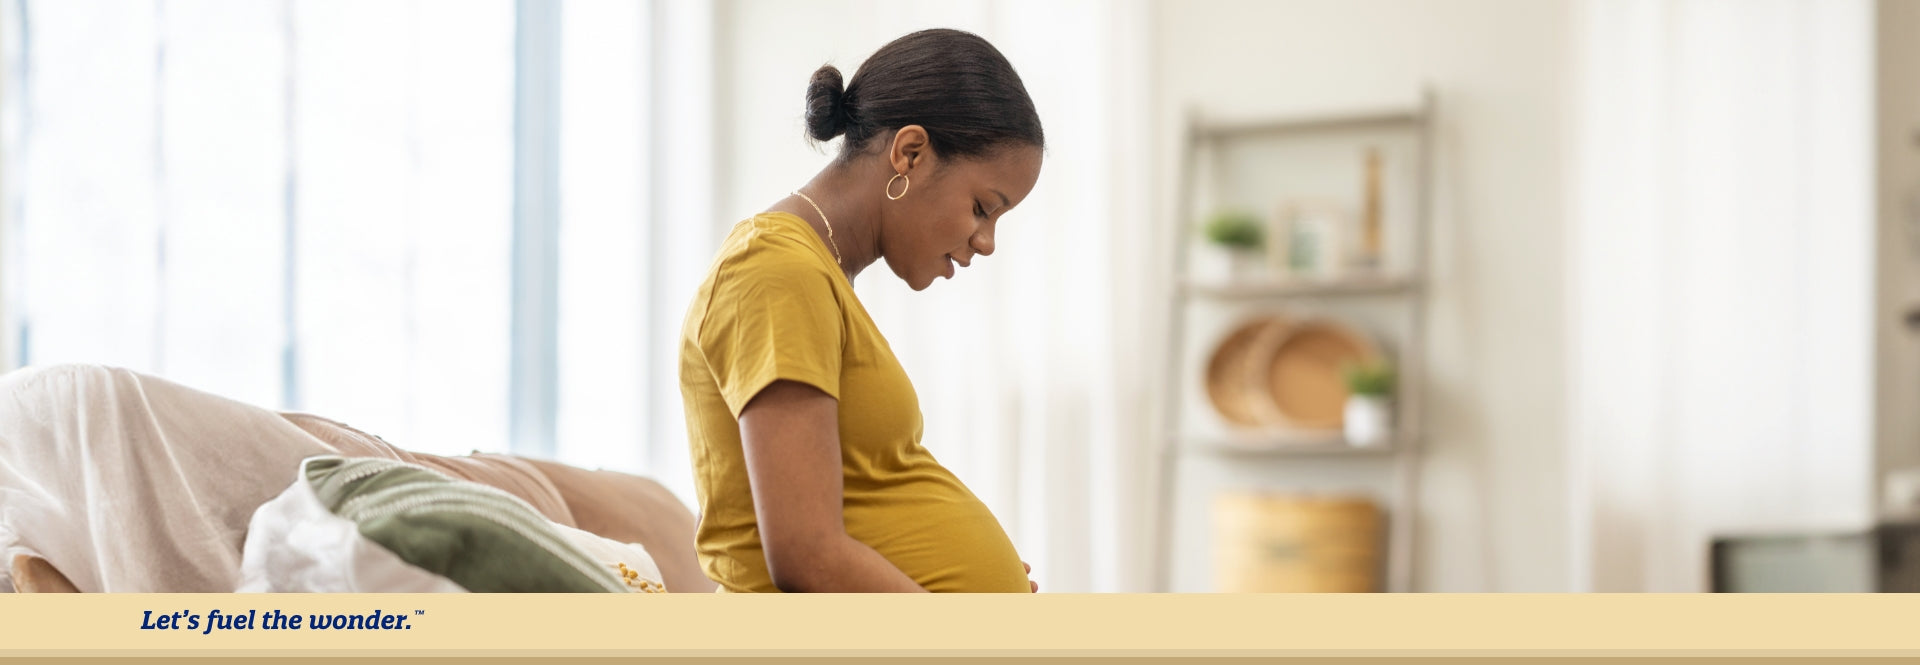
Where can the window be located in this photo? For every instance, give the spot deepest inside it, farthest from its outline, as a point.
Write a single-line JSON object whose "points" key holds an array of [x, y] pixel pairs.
{"points": [[330, 206]]}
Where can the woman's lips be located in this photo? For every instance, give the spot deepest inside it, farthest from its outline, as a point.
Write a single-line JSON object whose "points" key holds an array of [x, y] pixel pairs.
{"points": [[950, 268]]}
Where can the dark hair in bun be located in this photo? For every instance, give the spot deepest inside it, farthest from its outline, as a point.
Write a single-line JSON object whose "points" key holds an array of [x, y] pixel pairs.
{"points": [[826, 114], [953, 83]]}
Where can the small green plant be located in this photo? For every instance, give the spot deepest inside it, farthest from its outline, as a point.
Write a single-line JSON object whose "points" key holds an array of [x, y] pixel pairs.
{"points": [[1235, 229], [1372, 378]]}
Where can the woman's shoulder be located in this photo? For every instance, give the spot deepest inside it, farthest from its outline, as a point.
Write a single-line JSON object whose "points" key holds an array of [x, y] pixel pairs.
{"points": [[773, 240], [773, 250], [764, 275]]}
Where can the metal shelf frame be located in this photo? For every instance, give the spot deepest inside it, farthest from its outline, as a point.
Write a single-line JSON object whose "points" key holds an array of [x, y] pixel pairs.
{"points": [[1203, 137]]}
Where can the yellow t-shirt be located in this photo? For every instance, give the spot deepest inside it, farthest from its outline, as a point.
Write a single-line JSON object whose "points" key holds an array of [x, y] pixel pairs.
{"points": [[775, 306]]}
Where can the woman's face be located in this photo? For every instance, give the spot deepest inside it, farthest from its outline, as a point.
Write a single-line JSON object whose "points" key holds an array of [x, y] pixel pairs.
{"points": [[948, 214]]}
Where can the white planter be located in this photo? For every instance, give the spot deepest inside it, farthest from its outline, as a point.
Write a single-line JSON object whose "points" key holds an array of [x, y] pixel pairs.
{"points": [[1244, 264], [1369, 420]]}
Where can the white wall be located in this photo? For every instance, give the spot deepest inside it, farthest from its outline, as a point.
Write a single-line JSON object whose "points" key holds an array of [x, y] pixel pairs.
{"points": [[1495, 507]]}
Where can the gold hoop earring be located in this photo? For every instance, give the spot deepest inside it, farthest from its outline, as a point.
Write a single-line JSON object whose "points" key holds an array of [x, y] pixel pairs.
{"points": [[903, 188]]}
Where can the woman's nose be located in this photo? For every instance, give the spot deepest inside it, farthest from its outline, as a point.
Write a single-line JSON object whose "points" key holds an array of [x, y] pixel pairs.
{"points": [[983, 241]]}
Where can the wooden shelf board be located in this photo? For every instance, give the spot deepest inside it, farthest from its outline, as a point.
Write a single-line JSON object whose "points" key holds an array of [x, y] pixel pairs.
{"points": [[1232, 127], [1310, 444], [1284, 288]]}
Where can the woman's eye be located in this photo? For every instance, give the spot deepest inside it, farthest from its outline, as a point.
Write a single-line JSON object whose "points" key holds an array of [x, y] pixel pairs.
{"points": [[978, 211]]}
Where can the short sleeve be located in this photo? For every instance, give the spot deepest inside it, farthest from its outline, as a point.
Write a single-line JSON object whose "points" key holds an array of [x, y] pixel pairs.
{"points": [[772, 315]]}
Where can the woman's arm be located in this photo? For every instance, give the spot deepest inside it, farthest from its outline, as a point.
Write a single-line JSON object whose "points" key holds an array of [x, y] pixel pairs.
{"points": [[790, 433]]}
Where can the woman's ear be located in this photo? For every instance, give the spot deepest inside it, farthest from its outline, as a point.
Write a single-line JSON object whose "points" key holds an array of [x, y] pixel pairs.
{"points": [[910, 149]]}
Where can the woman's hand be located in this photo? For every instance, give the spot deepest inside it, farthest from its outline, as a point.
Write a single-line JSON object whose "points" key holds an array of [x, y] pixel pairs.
{"points": [[1030, 582]]}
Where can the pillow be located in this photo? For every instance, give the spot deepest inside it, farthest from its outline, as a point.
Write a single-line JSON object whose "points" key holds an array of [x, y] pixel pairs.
{"points": [[373, 525]]}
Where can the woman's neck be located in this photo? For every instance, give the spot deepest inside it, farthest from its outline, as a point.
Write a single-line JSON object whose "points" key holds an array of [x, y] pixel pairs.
{"points": [[850, 200]]}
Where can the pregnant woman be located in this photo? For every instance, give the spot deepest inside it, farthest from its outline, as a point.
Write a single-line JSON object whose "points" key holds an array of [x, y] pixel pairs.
{"points": [[805, 429]]}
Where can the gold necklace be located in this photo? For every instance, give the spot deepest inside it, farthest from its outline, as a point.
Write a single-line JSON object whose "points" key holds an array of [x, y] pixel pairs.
{"points": [[823, 220]]}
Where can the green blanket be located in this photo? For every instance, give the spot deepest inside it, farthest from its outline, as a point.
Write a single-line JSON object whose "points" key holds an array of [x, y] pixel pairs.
{"points": [[479, 537]]}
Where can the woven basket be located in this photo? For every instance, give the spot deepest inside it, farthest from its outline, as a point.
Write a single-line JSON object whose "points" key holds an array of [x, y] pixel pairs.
{"points": [[1236, 373], [1281, 543]]}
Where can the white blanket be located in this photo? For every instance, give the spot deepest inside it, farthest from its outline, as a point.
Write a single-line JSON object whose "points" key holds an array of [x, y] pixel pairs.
{"points": [[297, 545], [128, 482]]}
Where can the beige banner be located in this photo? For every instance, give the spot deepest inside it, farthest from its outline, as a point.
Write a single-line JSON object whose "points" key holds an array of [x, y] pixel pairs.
{"points": [[1374, 625]]}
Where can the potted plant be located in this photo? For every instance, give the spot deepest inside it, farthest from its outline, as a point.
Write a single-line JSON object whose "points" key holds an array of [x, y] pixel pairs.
{"points": [[1241, 235], [1369, 415]]}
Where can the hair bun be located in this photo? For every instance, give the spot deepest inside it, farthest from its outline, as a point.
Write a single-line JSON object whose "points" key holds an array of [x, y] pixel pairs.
{"points": [[826, 104]]}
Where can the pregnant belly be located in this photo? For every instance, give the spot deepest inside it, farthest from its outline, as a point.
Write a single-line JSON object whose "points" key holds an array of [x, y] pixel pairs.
{"points": [[947, 542]]}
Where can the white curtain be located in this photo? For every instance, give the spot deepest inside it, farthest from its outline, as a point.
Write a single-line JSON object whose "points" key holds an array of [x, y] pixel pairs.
{"points": [[1028, 365], [294, 204], [680, 225], [1720, 288], [308, 204]]}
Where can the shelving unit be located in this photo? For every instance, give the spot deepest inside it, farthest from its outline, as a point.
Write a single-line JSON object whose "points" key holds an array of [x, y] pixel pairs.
{"points": [[1401, 288]]}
